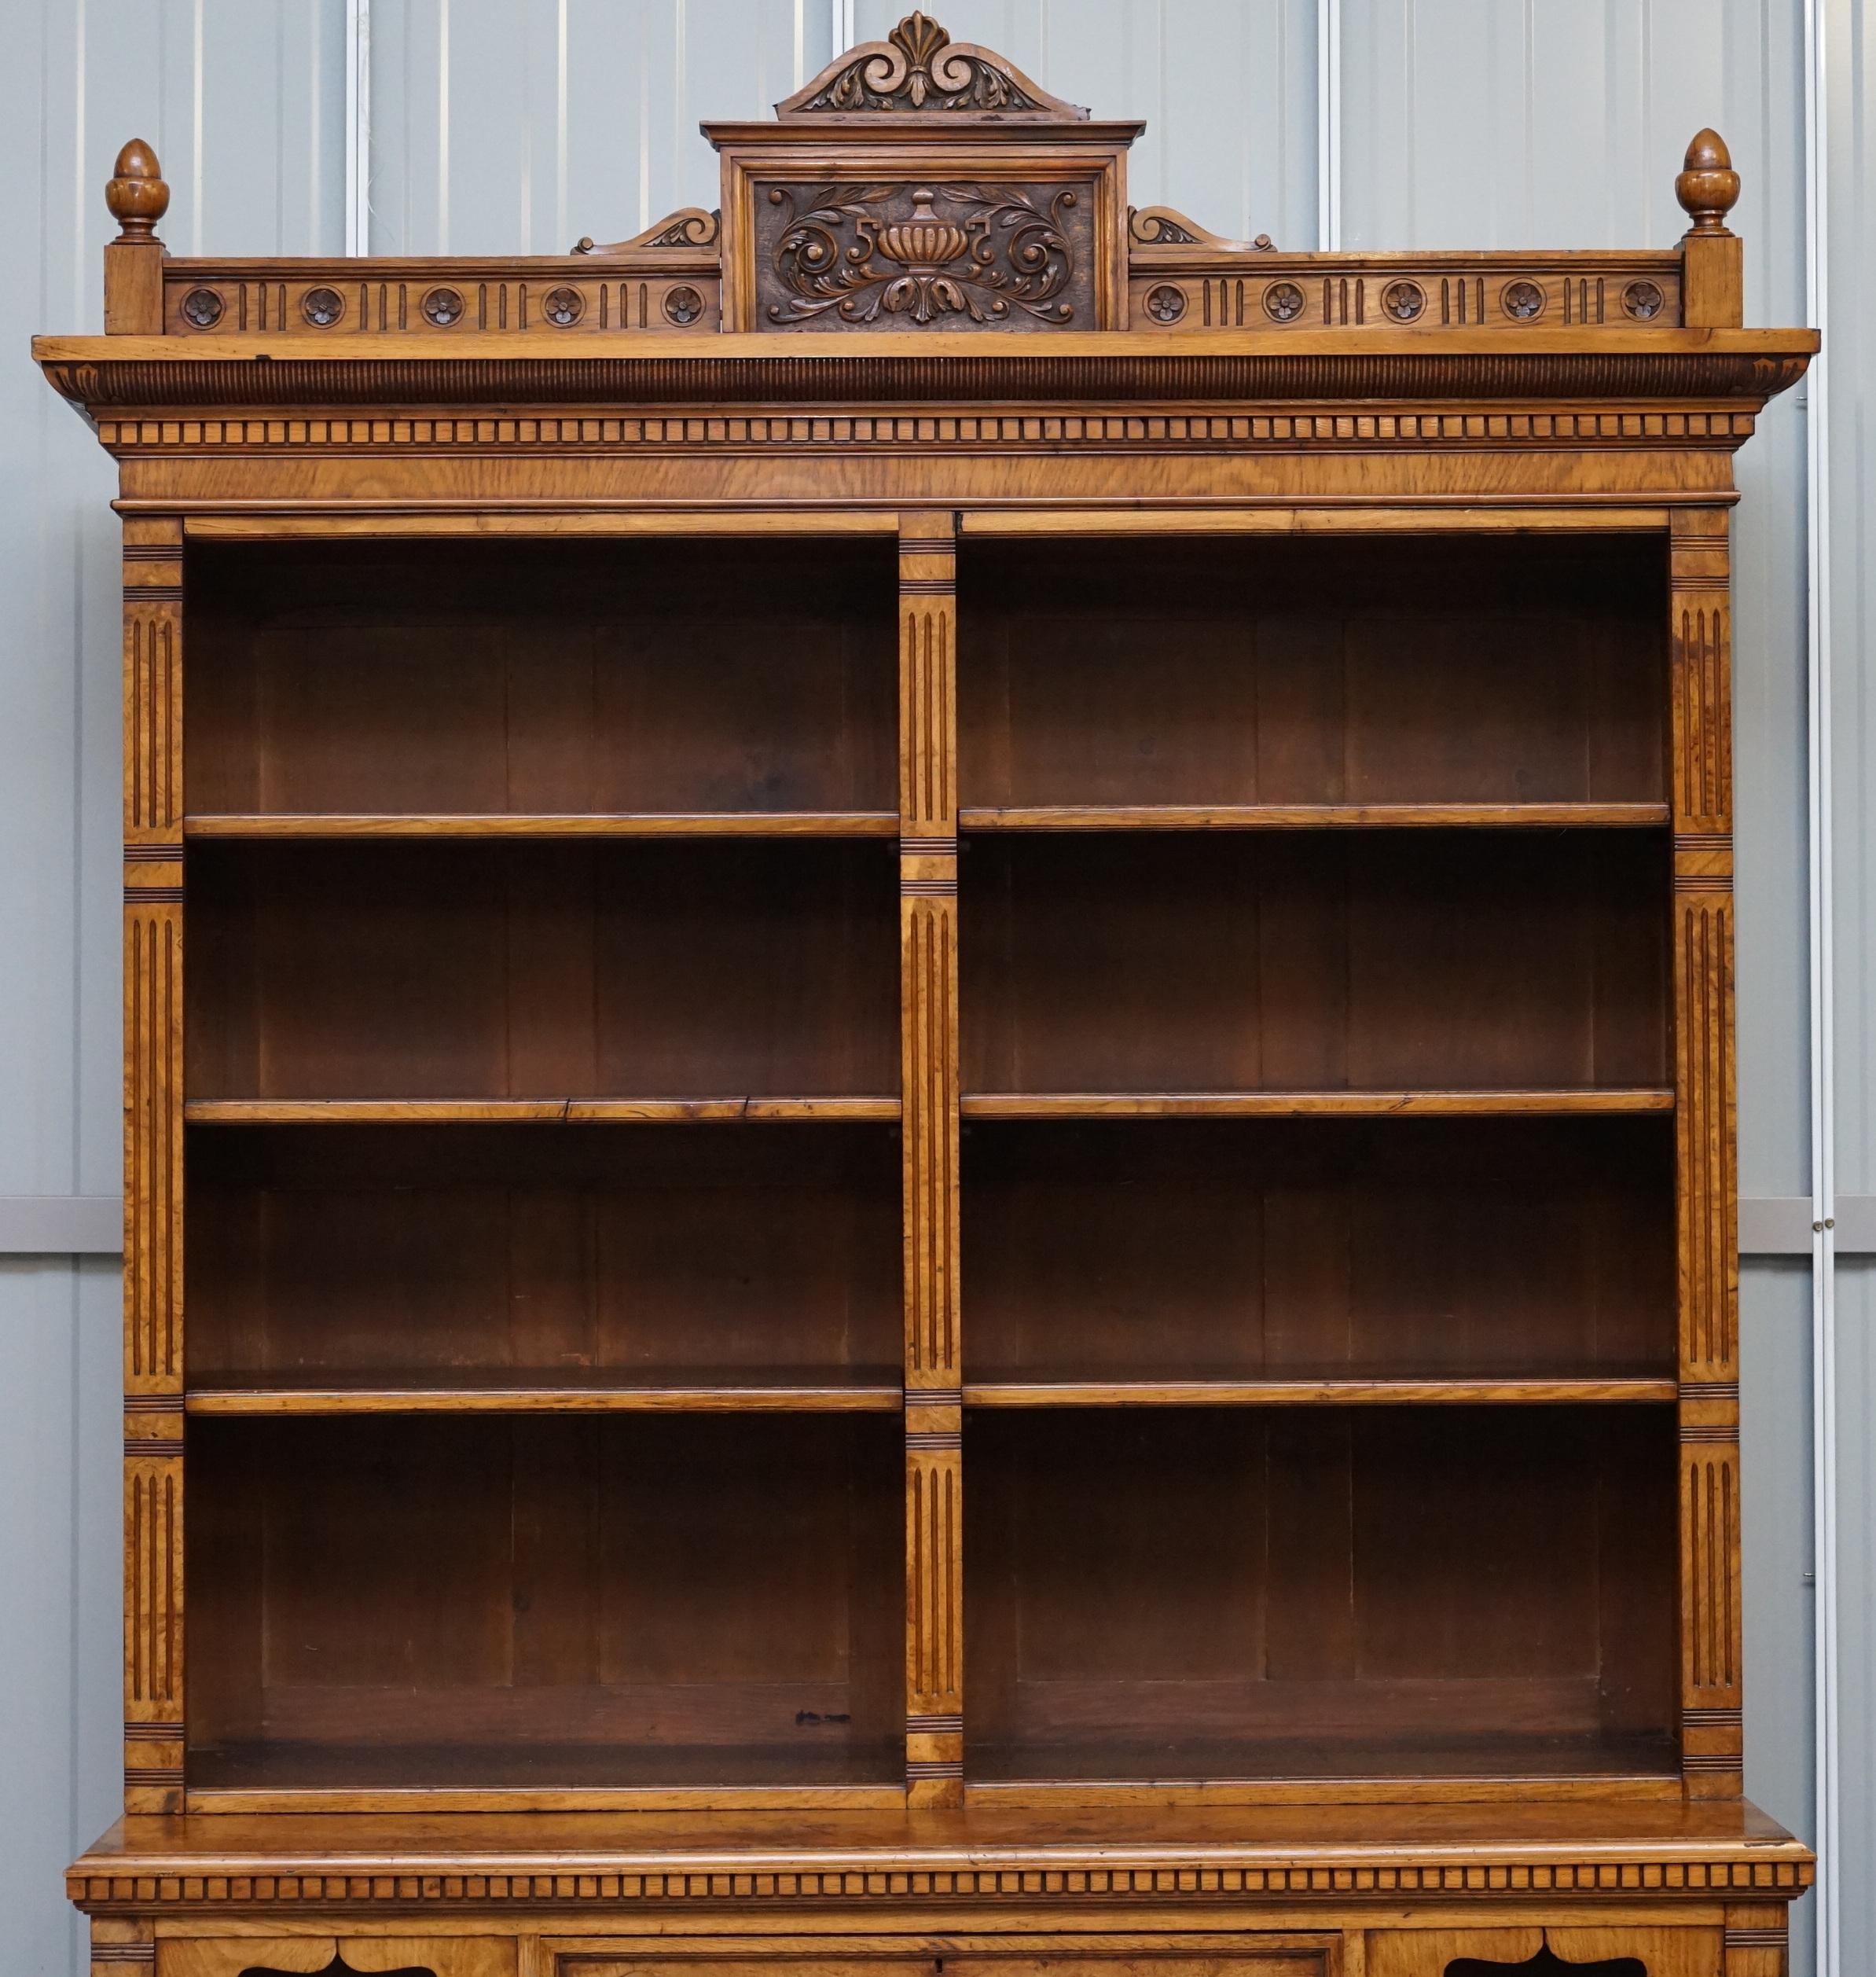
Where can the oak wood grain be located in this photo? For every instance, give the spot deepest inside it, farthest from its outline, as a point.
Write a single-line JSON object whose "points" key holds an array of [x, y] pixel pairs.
{"points": [[1308, 1393], [558, 1393], [1289, 1202], [929, 1020], [1293, 817], [642, 824], [241, 1111], [1284, 1104]]}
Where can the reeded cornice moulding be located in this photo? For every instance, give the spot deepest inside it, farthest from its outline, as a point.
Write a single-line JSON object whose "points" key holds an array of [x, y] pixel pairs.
{"points": [[1124, 367]]}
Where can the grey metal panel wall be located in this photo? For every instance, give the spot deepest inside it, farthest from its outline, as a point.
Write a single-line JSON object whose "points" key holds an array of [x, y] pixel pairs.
{"points": [[1856, 1594], [1851, 112], [1775, 1368], [506, 126]]}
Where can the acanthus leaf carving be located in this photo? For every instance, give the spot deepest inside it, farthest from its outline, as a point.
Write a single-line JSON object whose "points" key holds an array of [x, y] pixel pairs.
{"points": [[860, 252]]}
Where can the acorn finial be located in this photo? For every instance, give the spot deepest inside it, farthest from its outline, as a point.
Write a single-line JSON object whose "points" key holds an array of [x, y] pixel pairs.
{"points": [[137, 195], [1708, 187]]}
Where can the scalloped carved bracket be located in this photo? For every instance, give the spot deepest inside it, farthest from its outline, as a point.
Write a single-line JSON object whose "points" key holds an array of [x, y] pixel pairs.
{"points": [[918, 70], [1546, 1962], [339, 1967]]}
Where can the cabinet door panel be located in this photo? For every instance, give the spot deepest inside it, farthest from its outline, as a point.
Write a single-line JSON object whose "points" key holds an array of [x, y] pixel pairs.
{"points": [[314, 1957], [1282, 1958], [1286, 1956], [1660, 1953]]}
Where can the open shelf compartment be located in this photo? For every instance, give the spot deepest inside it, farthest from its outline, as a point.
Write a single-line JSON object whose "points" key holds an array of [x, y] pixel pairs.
{"points": [[570, 1607], [1190, 962], [581, 1261], [1207, 672], [660, 969], [541, 679], [1386, 1597], [1516, 1249]]}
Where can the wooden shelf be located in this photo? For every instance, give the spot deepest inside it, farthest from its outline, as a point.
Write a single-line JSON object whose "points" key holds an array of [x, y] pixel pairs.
{"points": [[557, 1390], [1297, 817], [497, 1111], [1538, 1832], [1227, 1769], [378, 1775], [1289, 1105], [1327, 1391], [872, 1390], [806, 823]]}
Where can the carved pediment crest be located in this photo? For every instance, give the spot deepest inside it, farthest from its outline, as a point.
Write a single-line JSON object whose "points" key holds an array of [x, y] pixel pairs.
{"points": [[918, 69]]}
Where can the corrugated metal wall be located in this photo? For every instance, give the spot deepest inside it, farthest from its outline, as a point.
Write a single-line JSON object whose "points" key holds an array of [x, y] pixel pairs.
{"points": [[504, 125], [1851, 112]]}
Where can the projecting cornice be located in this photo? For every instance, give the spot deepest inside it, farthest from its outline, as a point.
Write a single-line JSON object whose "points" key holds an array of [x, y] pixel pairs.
{"points": [[1657, 368]]}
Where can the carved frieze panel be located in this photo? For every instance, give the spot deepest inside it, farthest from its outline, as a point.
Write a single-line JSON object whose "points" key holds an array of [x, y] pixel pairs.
{"points": [[926, 254]]}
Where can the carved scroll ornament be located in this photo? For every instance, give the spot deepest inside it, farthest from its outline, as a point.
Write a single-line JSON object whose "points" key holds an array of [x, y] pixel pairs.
{"points": [[689, 226], [860, 253]]}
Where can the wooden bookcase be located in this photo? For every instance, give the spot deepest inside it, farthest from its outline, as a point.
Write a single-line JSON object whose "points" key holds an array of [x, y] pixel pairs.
{"points": [[945, 1168]]}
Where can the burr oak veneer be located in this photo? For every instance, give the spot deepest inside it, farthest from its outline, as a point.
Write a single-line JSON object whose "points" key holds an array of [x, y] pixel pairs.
{"points": [[929, 1105]]}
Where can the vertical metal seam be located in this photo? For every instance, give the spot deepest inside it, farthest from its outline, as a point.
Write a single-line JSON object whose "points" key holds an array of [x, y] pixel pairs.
{"points": [[645, 158], [357, 126], [680, 84], [562, 45], [1328, 125], [442, 131], [1823, 1004], [197, 63]]}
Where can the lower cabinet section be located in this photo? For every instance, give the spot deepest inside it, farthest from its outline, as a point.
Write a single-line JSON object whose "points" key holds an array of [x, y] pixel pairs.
{"points": [[1753, 1946], [1552, 1952], [1284, 1956], [326, 1956]]}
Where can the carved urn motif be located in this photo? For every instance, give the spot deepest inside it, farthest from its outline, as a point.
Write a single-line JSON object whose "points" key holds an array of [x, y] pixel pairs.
{"points": [[855, 251], [924, 243]]}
